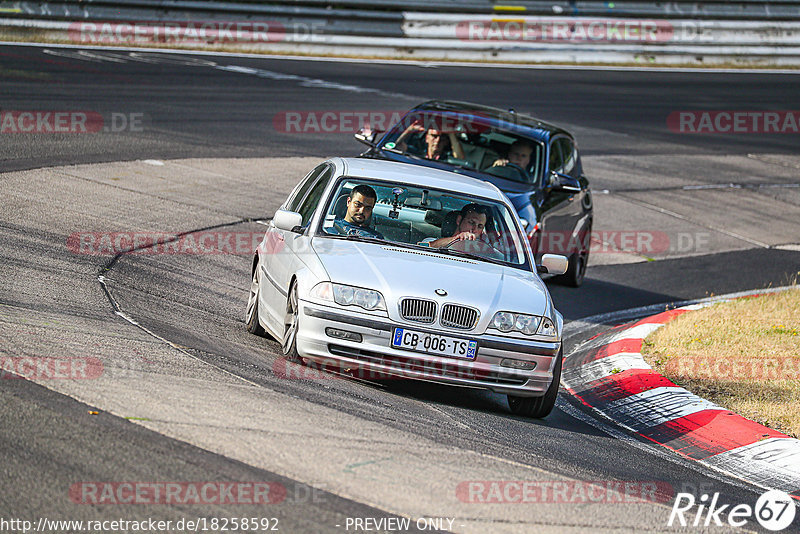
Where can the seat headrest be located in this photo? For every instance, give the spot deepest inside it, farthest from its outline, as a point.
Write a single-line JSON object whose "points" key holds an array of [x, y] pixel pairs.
{"points": [[450, 224]]}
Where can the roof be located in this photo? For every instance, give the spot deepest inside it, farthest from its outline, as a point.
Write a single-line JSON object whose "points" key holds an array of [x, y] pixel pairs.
{"points": [[513, 120], [406, 173]]}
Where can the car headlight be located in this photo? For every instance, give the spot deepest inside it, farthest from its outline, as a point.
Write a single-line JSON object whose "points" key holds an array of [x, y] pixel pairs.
{"points": [[344, 295], [547, 328], [503, 321], [526, 324], [518, 322]]}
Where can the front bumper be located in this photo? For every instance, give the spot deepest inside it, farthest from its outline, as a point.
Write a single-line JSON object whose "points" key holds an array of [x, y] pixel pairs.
{"points": [[374, 356]]}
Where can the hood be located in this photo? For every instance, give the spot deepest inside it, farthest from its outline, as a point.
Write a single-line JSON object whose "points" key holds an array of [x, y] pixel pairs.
{"points": [[405, 272]]}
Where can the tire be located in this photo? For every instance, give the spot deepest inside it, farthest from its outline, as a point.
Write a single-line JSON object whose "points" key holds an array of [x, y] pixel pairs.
{"points": [[251, 316], [539, 407], [290, 323], [576, 271]]}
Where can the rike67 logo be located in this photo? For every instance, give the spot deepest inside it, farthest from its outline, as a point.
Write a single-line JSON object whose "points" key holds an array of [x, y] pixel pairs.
{"points": [[774, 510]]}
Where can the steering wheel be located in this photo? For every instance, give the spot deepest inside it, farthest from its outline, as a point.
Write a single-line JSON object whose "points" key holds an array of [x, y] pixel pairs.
{"points": [[509, 171], [517, 167]]}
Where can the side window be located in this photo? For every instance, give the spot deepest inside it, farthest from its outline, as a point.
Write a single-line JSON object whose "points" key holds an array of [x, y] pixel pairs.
{"points": [[310, 203], [570, 154], [565, 154], [556, 158], [300, 192]]}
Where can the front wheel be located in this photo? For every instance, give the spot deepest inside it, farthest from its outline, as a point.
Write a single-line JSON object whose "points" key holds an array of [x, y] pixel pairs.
{"points": [[251, 317], [290, 324], [539, 407]]}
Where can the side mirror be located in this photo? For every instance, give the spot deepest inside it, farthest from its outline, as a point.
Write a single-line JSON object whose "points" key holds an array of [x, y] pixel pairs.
{"points": [[367, 136], [563, 182], [289, 221], [553, 264]]}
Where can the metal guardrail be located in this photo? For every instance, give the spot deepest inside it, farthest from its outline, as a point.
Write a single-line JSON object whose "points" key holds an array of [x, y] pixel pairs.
{"points": [[333, 22], [481, 30]]}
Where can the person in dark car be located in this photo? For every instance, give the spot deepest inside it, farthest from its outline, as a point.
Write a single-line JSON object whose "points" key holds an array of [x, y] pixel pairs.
{"points": [[519, 154], [438, 145]]}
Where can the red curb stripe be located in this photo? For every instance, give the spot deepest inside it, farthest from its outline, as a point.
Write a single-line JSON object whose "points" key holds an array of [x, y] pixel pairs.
{"points": [[616, 347], [698, 436], [619, 386], [709, 432], [661, 318]]}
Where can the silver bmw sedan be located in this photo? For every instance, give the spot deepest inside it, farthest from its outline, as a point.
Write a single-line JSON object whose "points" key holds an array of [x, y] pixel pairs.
{"points": [[398, 270]]}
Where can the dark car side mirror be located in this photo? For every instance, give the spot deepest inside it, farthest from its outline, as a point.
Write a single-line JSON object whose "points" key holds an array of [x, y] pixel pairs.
{"points": [[562, 182], [367, 136]]}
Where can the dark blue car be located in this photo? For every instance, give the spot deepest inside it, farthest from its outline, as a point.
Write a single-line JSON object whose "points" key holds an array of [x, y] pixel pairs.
{"points": [[536, 164]]}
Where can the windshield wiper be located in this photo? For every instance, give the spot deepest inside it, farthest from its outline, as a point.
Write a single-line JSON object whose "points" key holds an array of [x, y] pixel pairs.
{"points": [[363, 238]]}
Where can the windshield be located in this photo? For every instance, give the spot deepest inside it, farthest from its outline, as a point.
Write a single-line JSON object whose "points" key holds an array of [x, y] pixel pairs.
{"points": [[468, 141], [442, 222]]}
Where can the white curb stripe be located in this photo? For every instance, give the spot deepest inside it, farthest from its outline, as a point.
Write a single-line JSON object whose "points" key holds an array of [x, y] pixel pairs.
{"points": [[657, 406], [773, 463], [603, 367]]}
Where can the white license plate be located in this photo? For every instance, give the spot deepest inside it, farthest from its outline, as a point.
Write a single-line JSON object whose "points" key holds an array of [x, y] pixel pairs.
{"points": [[454, 347]]}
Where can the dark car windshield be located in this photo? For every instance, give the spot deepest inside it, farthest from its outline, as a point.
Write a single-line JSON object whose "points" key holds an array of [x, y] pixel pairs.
{"points": [[469, 141]]}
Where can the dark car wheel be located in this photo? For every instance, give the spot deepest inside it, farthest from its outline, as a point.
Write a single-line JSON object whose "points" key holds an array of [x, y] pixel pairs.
{"points": [[251, 317], [539, 407], [290, 322], [576, 271]]}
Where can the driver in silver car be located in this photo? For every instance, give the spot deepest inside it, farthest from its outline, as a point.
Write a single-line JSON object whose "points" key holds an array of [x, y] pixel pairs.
{"points": [[470, 225]]}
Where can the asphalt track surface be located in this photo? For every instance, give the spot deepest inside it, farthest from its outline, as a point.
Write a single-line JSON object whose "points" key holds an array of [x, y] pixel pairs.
{"points": [[199, 111]]}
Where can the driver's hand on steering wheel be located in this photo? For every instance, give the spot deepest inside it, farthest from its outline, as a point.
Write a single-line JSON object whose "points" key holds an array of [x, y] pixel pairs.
{"points": [[500, 162], [464, 236]]}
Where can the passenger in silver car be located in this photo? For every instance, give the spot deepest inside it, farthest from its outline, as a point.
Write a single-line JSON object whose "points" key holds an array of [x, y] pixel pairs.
{"points": [[360, 204]]}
